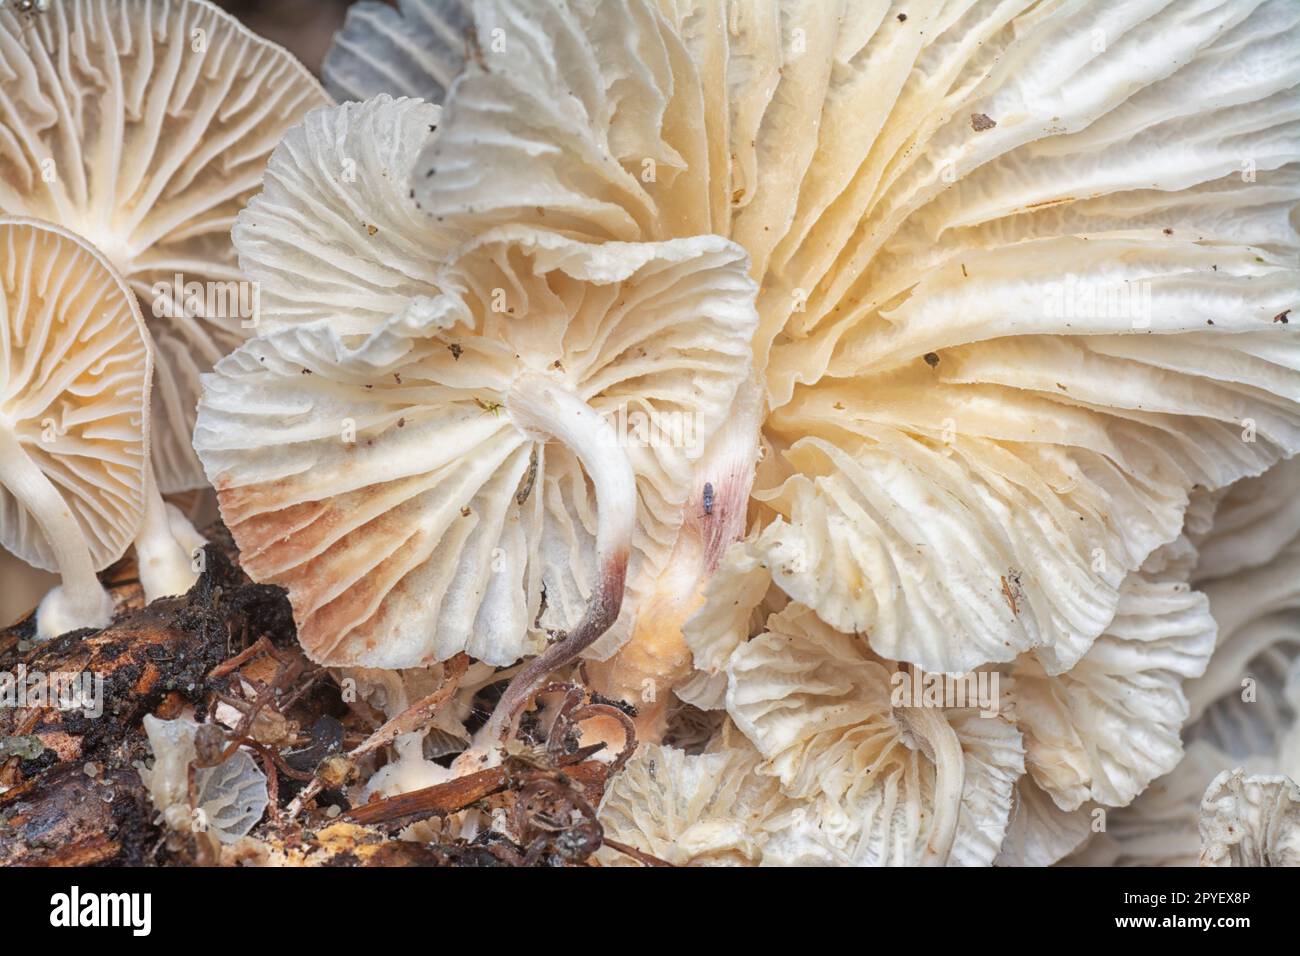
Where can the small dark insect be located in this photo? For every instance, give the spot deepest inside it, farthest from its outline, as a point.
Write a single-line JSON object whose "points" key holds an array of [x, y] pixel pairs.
{"points": [[932, 359], [1282, 317], [456, 351], [979, 122], [708, 498]]}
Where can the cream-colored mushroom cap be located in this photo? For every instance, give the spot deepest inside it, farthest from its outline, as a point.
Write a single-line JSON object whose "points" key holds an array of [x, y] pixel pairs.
{"points": [[74, 385], [1021, 291], [1250, 821], [144, 126], [401, 485], [888, 780], [335, 233]]}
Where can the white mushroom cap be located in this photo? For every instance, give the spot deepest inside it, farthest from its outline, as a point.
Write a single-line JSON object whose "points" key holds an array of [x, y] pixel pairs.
{"points": [[74, 386], [886, 785], [397, 485], [1250, 821], [1040, 832], [335, 233], [940, 210], [143, 126], [1253, 522], [229, 798], [414, 50], [1244, 711], [1103, 730], [711, 809]]}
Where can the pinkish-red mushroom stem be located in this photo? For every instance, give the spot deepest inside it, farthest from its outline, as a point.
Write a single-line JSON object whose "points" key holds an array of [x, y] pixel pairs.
{"points": [[543, 407], [600, 615]]}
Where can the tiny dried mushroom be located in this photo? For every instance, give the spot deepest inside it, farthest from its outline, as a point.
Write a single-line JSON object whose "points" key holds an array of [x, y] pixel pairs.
{"points": [[418, 500], [76, 486], [143, 126], [225, 801]]}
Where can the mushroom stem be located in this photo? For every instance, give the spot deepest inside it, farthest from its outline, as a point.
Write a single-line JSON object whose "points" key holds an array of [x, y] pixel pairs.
{"points": [[80, 600], [165, 567], [541, 405], [932, 727], [656, 659]]}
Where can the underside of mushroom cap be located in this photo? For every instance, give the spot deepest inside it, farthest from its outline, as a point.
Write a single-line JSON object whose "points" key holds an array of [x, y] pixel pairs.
{"points": [[888, 783], [74, 385], [414, 50], [384, 481], [1019, 296], [335, 232], [143, 126]]}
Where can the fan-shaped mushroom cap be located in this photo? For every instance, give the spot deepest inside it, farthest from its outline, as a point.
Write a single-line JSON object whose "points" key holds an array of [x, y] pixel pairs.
{"points": [[229, 798], [74, 386], [396, 484], [335, 233], [1106, 728], [1253, 522], [415, 50], [1250, 821], [1243, 712], [1018, 295], [711, 809], [1041, 833], [143, 126], [819, 708]]}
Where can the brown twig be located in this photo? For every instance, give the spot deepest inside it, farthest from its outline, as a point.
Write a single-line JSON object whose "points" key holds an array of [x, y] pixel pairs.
{"points": [[458, 794], [645, 859], [411, 720]]}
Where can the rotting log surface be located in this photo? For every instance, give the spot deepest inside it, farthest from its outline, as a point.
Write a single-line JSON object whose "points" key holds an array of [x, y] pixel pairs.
{"points": [[70, 789], [153, 659]]}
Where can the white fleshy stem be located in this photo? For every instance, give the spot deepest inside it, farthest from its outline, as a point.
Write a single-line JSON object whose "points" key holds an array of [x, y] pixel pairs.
{"points": [[932, 727], [80, 600], [166, 567], [656, 659], [541, 406]]}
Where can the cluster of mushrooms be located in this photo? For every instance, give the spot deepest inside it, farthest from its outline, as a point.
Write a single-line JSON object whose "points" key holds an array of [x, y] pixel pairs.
{"points": [[735, 357]]}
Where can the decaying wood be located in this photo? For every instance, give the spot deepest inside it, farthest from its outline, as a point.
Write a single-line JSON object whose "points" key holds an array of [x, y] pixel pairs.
{"points": [[65, 817], [227, 654]]}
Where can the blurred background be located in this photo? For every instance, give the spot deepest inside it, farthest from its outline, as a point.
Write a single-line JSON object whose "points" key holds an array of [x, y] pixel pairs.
{"points": [[303, 27]]}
